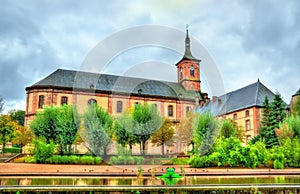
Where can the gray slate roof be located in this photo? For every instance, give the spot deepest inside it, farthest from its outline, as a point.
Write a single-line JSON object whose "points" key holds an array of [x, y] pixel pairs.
{"points": [[252, 95], [297, 93], [78, 80]]}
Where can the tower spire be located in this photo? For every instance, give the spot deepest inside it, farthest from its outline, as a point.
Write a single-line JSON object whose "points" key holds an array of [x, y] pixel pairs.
{"points": [[188, 53]]}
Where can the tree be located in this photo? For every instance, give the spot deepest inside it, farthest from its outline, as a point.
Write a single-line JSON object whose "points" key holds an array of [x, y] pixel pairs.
{"points": [[207, 131], [67, 126], [227, 129], [7, 130], [123, 130], [18, 116], [45, 124], [98, 128], [186, 128], [295, 106], [289, 128], [57, 124], [163, 134], [275, 117], [265, 123], [146, 121], [22, 136], [230, 129], [1, 104]]}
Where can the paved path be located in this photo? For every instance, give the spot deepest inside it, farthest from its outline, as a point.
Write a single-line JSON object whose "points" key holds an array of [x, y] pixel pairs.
{"points": [[11, 169]]}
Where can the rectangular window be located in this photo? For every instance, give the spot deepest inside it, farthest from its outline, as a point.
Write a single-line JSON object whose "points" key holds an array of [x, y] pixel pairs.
{"points": [[64, 100], [248, 125], [170, 110], [187, 109], [247, 113], [41, 101], [119, 106], [234, 116]]}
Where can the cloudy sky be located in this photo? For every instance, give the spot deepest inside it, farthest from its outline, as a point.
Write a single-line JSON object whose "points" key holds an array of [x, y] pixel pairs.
{"points": [[247, 40]]}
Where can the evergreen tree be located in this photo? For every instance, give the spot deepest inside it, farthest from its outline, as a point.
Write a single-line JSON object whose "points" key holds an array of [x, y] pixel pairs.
{"points": [[275, 117]]}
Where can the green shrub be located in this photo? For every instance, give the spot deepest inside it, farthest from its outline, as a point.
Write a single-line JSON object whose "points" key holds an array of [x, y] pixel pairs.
{"points": [[180, 161], [130, 160], [30, 159], [12, 150], [87, 160], [278, 164], [42, 150], [98, 160], [139, 160], [74, 159], [200, 162], [56, 159], [64, 160], [122, 160], [49, 160], [113, 160]]}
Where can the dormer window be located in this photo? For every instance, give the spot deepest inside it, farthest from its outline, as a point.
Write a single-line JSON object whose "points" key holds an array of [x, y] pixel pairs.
{"points": [[192, 71]]}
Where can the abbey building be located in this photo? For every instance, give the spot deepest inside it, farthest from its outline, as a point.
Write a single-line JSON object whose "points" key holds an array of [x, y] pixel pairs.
{"points": [[172, 99]]}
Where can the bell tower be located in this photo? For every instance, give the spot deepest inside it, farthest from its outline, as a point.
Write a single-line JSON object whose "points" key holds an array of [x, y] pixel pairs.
{"points": [[188, 68]]}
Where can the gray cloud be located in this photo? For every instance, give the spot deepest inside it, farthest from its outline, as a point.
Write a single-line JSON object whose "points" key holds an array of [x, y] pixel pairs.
{"points": [[248, 39]]}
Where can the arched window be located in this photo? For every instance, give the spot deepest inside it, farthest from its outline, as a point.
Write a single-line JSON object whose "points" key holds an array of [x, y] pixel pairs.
{"points": [[180, 73], [41, 101], [92, 101], [192, 71], [119, 106], [170, 110]]}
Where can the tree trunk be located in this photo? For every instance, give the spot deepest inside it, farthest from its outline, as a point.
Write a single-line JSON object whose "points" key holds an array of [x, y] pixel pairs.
{"points": [[143, 146], [141, 149], [105, 151], [163, 149]]}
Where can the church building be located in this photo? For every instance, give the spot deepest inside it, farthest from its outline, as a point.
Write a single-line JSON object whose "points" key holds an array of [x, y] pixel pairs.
{"points": [[172, 99], [119, 93]]}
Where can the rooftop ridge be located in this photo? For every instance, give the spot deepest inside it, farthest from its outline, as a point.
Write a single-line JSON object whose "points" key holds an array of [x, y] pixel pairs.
{"points": [[106, 74]]}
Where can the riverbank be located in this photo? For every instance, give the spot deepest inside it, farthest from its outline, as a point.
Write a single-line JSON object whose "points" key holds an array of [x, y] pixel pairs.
{"points": [[24, 169]]}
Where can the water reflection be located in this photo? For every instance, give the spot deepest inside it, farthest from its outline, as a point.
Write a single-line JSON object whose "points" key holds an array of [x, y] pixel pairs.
{"points": [[145, 181]]}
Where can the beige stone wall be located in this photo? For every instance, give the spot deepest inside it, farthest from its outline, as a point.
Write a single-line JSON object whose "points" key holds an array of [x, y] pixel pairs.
{"points": [[82, 102]]}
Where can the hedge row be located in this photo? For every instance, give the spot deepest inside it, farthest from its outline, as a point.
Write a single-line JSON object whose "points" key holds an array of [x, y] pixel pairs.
{"points": [[127, 160], [57, 159], [12, 150]]}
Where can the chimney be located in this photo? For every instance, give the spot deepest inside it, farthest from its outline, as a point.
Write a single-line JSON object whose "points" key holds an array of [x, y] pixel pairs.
{"points": [[214, 99], [201, 103], [207, 100], [219, 101]]}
